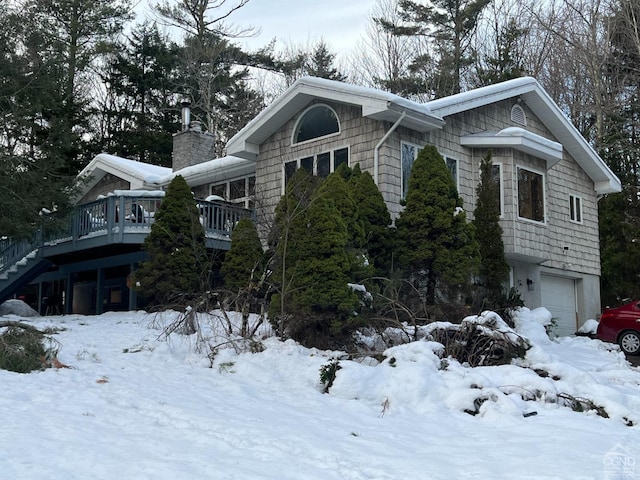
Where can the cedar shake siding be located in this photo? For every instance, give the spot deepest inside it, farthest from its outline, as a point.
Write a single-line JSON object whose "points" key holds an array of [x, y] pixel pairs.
{"points": [[108, 183]]}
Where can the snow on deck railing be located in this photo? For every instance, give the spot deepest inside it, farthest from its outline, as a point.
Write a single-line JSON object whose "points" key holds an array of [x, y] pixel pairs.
{"points": [[113, 216]]}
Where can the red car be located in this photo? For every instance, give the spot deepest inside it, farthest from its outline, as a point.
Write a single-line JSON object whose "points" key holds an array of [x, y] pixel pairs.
{"points": [[621, 325]]}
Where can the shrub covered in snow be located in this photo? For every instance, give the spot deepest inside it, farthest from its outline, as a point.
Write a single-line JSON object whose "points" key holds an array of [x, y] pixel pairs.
{"points": [[24, 348], [483, 339]]}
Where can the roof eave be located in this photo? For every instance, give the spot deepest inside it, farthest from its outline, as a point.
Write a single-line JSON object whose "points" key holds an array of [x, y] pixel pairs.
{"points": [[245, 144], [518, 139]]}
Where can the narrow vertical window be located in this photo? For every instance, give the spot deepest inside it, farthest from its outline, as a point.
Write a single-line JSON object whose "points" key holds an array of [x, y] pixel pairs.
{"points": [[340, 156], [324, 164], [575, 209], [496, 176], [408, 154], [289, 170], [452, 165]]}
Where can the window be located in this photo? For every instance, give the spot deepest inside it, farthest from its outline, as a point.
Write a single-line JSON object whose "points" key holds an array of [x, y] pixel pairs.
{"points": [[318, 121], [321, 165], [219, 190], [408, 154], [530, 195], [575, 209], [452, 165], [239, 191], [496, 175]]}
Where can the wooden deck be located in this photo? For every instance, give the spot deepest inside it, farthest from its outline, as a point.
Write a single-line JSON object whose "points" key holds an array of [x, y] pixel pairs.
{"points": [[111, 226]]}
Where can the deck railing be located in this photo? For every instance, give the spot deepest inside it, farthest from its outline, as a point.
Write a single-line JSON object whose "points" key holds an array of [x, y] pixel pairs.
{"points": [[114, 216]]}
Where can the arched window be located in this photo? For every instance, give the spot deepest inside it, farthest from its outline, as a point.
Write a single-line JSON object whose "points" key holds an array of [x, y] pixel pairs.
{"points": [[317, 121]]}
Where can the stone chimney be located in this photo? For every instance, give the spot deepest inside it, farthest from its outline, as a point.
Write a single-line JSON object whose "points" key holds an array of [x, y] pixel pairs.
{"points": [[191, 145]]}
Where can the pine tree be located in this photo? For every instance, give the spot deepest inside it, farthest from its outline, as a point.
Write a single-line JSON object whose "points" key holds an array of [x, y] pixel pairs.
{"points": [[289, 224], [619, 235], [494, 269], [177, 269], [243, 260], [436, 245], [138, 113], [376, 220], [507, 61], [244, 273], [35, 176], [323, 302], [320, 63], [450, 24], [313, 263], [335, 186]]}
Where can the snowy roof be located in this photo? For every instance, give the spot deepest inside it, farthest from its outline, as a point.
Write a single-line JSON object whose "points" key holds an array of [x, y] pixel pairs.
{"points": [[138, 174], [212, 171], [375, 104], [518, 139], [538, 100], [134, 193]]}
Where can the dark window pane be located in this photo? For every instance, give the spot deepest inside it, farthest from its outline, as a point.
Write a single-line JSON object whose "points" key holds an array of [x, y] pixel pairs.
{"points": [[220, 190], [575, 209], [237, 189], [530, 195], [572, 208], [339, 157], [408, 154], [289, 170], [324, 164], [307, 164], [252, 186], [495, 176], [452, 165], [316, 122]]}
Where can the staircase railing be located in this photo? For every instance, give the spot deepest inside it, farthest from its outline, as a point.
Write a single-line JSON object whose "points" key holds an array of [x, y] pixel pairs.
{"points": [[13, 252]]}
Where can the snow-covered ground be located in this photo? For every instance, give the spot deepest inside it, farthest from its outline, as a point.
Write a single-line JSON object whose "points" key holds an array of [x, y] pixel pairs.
{"points": [[134, 406]]}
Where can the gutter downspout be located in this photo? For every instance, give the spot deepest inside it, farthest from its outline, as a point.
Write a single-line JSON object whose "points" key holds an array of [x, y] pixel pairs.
{"points": [[379, 144]]}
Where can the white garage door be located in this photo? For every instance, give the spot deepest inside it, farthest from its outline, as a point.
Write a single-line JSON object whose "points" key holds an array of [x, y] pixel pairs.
{"points": [[559, 297]]}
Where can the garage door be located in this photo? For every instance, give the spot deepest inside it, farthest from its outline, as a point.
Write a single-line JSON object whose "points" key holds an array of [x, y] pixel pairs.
{"points": [[559, 297]]}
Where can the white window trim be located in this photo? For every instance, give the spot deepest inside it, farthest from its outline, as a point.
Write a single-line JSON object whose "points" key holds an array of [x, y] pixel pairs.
{"points": [[572, 202], [302, 115], [457, 179], [244, 201], [403, 194], [544, 195], [331, 153], [501, 185]]}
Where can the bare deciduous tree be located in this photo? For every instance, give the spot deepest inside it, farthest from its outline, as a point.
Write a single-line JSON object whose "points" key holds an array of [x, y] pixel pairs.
{"points": [[381, 59]]}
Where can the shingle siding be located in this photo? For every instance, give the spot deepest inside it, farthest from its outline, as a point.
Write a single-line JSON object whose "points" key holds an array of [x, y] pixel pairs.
{"points": [[108, 183], [523, 239], [548, 241]]}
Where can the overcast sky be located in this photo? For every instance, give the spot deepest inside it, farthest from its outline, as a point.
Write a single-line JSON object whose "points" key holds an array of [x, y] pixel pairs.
{"points": [[340, 22]]}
